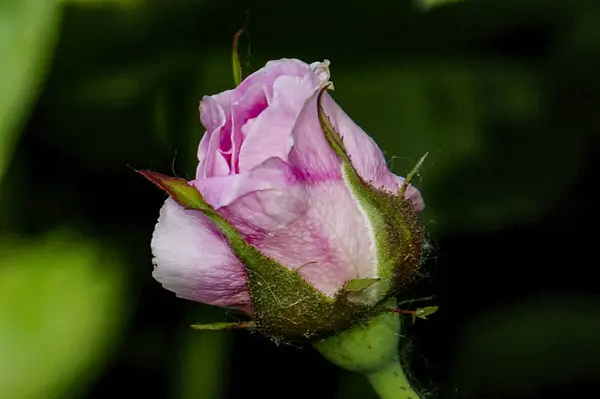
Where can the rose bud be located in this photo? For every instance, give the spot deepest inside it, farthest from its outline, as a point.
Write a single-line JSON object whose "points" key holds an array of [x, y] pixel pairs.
{"points": [[294, 217]]}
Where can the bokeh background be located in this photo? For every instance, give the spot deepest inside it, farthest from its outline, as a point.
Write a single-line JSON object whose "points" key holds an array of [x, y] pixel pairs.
{"points": [[504, 95]]}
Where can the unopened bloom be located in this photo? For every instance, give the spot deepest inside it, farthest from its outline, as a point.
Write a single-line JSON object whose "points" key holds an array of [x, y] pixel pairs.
{"points": [[294, 216]]}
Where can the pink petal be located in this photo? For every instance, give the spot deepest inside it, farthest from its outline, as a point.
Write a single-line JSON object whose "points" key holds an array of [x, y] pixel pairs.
{"points": [[269, 73], [270, 134], [192, 259], [316, 228], [411, 194], [311, 154], [233, 116], [220, 191], [213, 111], [366, 157], [248, 107]]}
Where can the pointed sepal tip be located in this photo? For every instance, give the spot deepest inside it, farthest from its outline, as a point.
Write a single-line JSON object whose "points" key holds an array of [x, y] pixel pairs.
{"points": [[222, 326], [179, 189], [411, 175], [237, 65]]}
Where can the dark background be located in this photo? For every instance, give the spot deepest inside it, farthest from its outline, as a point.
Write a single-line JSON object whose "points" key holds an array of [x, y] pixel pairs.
{"points": [[503, 94]]}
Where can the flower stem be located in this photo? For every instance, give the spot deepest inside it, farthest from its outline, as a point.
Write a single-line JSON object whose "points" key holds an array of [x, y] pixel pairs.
{"points": [[390, 382], [371, 349]]}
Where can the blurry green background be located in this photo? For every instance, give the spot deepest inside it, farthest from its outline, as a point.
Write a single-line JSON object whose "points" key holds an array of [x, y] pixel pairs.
{"points": [[503, 94]]}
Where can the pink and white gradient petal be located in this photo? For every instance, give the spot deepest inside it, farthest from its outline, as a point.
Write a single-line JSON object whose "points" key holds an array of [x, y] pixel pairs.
{"points": [[315, 227], [366, 156], [192, 259], [213, 115]]}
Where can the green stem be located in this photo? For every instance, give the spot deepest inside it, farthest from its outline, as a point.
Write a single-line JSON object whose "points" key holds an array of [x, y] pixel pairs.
{"points": [[390, 382], [371, 349]]}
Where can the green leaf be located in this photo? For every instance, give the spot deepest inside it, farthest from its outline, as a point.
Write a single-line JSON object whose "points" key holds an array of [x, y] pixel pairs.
{"points": [[27, 36], [360, 284], [61, 310]]}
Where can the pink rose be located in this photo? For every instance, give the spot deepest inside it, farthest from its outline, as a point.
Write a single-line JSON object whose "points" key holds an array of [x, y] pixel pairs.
{"points": [[266, 167]]}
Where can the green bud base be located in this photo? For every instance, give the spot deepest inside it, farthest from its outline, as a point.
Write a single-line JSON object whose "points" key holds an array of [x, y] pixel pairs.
{"points": [[371, 349]]}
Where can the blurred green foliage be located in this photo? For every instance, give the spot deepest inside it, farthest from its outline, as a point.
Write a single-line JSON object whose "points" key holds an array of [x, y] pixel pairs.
{"points": [[27, 36], [428, 4], [203, 361], [502, 94], [61, 308], [548, 341]]}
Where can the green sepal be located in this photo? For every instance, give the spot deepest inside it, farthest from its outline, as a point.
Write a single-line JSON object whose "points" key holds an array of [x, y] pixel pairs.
{"points": [[398, 234], [221, 326], [413, 300], [333, 138], [287, 308], [411, 175], [179, 189], [284, 305], [422, 313], [235, 58], [189, 197], [360, 284]]}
